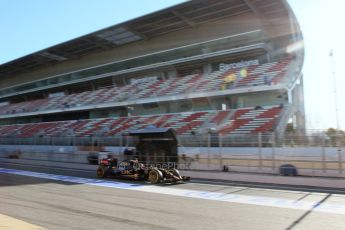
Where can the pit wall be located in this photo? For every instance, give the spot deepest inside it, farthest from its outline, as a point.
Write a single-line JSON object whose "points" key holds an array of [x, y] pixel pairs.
{"points": [[310, 161]]}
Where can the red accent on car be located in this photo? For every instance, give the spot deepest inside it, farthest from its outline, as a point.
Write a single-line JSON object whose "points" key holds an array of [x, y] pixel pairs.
{"points": [[105, 162]]}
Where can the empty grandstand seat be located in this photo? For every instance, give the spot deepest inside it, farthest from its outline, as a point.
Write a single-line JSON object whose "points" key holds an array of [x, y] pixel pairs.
{"points": [[241, 121], [267, 73], [252, 120]]}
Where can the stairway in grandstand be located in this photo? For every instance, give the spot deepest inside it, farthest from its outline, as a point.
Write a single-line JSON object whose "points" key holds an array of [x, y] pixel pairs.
{"points": [[240, 122], [268, 73]]}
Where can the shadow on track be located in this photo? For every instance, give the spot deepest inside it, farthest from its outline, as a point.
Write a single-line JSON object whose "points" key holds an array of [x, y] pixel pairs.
{"points": [[299, 220]]}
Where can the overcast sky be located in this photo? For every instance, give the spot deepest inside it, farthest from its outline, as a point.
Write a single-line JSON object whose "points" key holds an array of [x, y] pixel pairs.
{"points": [[29, 26]]}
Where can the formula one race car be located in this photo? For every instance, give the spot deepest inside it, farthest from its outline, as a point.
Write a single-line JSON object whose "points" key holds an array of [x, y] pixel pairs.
{"points": [[132, 169]]}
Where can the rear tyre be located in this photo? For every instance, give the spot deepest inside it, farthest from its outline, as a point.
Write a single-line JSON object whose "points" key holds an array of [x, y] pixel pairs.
{"points": [[155, 176], [101, 172]]}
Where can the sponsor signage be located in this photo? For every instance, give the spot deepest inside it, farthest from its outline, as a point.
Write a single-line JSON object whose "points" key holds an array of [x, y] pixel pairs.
{"points": [[144, 80], [241, 64]]}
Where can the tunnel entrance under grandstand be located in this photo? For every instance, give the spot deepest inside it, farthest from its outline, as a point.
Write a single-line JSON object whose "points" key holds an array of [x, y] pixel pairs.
{"points": [[155, 145]]}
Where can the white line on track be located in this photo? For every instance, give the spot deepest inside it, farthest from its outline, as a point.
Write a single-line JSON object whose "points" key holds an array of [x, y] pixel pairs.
{"points": [[266, 187], [215, 196]]}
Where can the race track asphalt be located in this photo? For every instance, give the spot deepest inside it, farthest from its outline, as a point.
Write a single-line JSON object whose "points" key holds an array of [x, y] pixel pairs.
{"points": [[62, 204]]}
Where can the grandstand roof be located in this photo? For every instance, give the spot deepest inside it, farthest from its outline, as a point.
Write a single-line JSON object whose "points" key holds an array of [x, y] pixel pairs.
{"points": [[185, 15]]}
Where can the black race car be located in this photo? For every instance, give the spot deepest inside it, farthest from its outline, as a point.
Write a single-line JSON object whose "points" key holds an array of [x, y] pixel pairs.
{"points": [[132, 169]]}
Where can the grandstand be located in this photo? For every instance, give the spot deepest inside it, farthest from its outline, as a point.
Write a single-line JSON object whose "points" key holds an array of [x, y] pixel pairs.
{"points": [[224, 67]]}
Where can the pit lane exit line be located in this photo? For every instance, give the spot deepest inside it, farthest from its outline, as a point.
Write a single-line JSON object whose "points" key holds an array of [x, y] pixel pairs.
{"points": [[215, 196]]}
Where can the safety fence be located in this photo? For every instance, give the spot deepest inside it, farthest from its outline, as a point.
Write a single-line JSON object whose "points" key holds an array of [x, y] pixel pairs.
{"points": [[192, 140], [314, 155], [312, 161]]}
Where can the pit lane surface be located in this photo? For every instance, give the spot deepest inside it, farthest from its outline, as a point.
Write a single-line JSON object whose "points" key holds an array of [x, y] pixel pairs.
{"points": [[62, 204]]}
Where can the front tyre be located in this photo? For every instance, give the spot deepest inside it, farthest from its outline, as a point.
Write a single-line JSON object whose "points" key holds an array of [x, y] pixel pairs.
{"points": [[175, 172]]}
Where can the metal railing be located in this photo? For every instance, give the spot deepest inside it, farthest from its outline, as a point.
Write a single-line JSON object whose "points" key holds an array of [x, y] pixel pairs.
{"points": [[192, 140]]}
